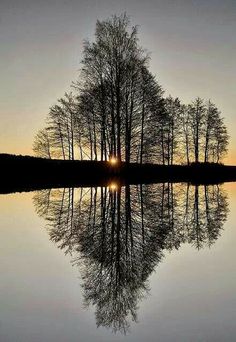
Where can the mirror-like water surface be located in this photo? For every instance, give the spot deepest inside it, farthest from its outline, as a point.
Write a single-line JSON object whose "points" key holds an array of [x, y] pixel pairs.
{"points": [[141, 262]]}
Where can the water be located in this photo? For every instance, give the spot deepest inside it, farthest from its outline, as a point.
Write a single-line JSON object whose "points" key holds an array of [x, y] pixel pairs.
{"points": [[141, 263]]}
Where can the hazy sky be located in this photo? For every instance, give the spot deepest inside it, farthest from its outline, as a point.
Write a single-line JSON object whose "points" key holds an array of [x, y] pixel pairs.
{"points": [[192, 45]]}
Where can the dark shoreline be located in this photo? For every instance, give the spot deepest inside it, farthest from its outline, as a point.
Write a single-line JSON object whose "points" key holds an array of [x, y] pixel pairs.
{"points": [[25, 173]]}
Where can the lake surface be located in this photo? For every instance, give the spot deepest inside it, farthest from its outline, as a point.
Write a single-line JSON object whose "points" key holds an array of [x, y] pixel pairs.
{"points": [[137, 263]]}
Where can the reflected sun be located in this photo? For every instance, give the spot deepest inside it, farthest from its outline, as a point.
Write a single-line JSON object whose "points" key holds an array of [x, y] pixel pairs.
{"points": [[113, 186]]}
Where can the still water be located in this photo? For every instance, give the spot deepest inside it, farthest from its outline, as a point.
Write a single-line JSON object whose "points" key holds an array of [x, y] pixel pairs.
{"points": [[137, 263]]}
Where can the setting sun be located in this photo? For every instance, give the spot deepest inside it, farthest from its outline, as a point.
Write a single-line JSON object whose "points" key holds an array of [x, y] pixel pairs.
{"points": [[113, 160]]}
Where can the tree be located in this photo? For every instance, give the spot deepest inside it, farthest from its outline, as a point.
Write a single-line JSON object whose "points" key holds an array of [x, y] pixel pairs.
{"points": [[121, 90], [173, 111], [222, 141], [42, 144], [151, 103], [186, 133], [197, 117], [212, 115], [117, 109]]}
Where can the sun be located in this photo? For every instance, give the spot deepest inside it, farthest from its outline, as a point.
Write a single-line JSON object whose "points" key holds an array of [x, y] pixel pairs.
{"points": [[113, 161], [113, 186]]}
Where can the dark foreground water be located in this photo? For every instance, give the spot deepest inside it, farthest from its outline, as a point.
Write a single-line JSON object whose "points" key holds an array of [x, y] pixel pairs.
{"points": [[141, 263]]}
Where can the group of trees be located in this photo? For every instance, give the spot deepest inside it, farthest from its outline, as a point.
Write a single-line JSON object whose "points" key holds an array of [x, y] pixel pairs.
{"points": [[118, 109], [190, 133], [118, 237]]}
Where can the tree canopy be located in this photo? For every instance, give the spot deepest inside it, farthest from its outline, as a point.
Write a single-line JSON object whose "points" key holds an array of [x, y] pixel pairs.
{"points": [[117, 109]]}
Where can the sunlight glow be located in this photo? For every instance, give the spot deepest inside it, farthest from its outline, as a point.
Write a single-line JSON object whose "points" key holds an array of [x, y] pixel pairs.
{"points": [[113, 160], [113, 187]]}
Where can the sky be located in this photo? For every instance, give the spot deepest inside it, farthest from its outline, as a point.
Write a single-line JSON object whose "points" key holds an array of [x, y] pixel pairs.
{"points": [[192, 46]]}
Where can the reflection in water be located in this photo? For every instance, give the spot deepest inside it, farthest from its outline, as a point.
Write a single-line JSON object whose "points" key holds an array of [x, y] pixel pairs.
{"points": [[117, 236]]}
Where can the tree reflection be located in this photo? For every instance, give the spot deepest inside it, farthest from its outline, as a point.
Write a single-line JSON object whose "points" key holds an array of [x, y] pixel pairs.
{"points": [[118, 235]]}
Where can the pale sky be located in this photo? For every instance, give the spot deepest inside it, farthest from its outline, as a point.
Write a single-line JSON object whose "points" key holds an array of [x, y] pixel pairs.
{"points": [[192, 45]]}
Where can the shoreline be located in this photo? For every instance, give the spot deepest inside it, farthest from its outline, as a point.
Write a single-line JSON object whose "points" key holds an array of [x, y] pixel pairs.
{"points": [[26, 173]]}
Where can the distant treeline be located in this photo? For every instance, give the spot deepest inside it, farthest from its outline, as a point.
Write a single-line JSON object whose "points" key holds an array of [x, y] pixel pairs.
{"points": [[118, 109]]}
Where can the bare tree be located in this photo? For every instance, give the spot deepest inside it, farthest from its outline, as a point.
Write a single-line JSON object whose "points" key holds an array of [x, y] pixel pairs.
{"points": [[42, 144], [197, 117], [222, 141], [116, 79], [117, 109]]}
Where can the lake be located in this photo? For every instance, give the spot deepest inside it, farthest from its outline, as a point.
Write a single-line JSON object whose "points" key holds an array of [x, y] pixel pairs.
{"points": [[132, 263]]}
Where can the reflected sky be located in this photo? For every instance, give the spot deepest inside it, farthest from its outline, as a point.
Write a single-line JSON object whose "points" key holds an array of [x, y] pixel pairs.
{"points": [[191, 293], [117, 236]]}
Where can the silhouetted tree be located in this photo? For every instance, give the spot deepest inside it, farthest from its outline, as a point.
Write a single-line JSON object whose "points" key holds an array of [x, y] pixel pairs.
{"points": [[63, 126], [222, 141], [117, 109], [117, 92], [152, 107], [186, 135], [216, 137], [172, 129], [197, 117], [42, 146]]}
